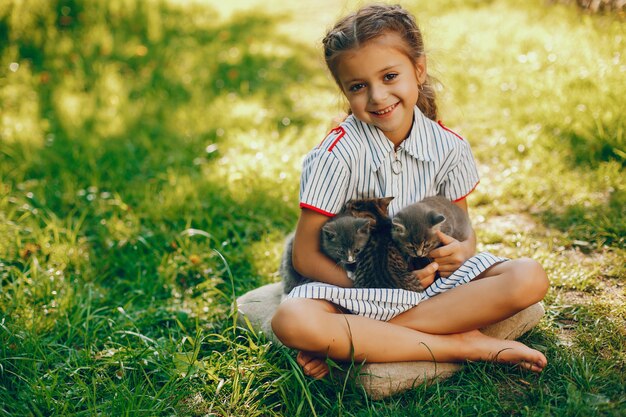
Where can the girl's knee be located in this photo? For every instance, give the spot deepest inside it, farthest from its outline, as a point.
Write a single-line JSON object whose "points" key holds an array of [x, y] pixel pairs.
{"points": [[530, 281], [295, 324], [284, 322]]}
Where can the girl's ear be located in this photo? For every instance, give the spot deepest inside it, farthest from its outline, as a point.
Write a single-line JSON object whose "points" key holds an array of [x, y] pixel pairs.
{"points": [[420, 69]]}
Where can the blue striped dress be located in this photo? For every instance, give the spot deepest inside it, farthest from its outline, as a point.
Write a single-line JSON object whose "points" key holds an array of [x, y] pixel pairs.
{"points": [[357, 160]]}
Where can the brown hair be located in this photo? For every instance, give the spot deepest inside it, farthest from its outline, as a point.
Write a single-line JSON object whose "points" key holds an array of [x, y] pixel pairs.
{"points": [[371, 22]]}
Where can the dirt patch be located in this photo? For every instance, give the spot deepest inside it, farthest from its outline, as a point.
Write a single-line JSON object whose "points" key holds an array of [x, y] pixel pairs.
{"points": [[509, 223]]}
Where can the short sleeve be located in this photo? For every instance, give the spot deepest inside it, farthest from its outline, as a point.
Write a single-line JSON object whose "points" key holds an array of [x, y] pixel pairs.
{"points": [[462, 177], [324, 182]]}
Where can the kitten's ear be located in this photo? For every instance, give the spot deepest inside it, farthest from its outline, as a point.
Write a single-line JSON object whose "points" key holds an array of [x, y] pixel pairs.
{"points": [[398, 228], [436, 219], [329, 232], [385, 201], [349, 206], [363, 225], [361, 221]]}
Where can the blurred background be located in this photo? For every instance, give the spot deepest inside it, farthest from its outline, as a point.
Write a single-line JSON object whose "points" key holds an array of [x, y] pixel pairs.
{"points": [[150, 154]]}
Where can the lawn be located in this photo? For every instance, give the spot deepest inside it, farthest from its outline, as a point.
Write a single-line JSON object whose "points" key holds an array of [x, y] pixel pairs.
{"points": [[150, 155]]}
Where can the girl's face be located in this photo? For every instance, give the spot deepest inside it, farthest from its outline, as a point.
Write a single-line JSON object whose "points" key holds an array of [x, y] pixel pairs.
{"points": [[381, 85]]}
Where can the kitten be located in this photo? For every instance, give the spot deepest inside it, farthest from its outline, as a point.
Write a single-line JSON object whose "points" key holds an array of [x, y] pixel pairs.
{"points": [[380, 264], [359, 240], [414, 227], [342, 238]]}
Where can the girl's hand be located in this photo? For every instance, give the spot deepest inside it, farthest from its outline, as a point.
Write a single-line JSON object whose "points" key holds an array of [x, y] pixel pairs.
{"points": [[426, 275], [451, 255]]}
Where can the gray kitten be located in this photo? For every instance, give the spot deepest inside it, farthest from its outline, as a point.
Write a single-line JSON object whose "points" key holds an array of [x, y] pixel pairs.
{"points": [[342, 238], [414, 227]]}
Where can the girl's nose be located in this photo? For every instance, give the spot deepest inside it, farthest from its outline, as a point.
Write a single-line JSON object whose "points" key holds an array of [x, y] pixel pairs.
{"points": [[378, 94]]}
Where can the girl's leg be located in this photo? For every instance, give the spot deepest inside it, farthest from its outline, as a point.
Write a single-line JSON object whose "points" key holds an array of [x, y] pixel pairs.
{"points": [[314, 326], [498, 293]]}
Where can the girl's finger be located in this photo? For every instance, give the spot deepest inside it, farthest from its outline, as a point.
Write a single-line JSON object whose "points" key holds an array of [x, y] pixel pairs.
{"points": [[443, 251], [446, 272], [450, 266], [444, 238], [426, 282], [428, 270], [439, 252], [443, 260]]}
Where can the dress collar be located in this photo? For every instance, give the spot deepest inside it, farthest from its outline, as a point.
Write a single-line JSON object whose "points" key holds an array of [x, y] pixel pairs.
{"points": [[417, 144]]}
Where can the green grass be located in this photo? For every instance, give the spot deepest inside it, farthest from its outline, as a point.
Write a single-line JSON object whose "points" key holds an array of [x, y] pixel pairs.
{"points": [[149, 166]]}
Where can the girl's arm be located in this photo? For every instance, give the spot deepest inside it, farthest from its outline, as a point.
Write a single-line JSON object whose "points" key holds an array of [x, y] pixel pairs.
{"points": [[307, 257], [453, 253]]}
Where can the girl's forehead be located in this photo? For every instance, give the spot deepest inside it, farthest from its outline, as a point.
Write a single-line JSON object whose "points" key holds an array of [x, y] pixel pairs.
{"points": [[387, 40], [390, 42], [373, 56]]}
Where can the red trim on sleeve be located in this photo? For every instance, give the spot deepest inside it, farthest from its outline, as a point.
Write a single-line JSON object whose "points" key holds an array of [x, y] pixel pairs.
{"points": [[340, 132], [445, 128], [472, 190], [320, 211]]}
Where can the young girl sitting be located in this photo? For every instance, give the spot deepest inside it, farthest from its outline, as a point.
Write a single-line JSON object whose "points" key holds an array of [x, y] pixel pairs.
{"points": [[391, 145]]}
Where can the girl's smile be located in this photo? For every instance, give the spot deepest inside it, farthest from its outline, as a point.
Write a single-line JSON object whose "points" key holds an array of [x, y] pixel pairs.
{"points": [[384, 112], [381, 84]]}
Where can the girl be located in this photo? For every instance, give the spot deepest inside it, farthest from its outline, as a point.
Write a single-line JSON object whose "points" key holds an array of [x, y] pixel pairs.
{"points": [[391, 146]]}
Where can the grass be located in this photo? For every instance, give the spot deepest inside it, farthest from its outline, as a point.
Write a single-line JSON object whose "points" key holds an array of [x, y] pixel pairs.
{"points": [[149, 167]]}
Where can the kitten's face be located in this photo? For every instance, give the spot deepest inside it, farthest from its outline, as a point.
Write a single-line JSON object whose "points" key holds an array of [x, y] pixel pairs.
{"points": [[414, 232], [343, 239]]}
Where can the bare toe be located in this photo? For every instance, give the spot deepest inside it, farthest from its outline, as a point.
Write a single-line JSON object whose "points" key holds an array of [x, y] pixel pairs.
{"points": [[521, 355], [504, 351], [311, 365]]}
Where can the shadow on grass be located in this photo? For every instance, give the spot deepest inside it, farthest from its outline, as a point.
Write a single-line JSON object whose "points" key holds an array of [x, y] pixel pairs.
{"points": [[131, 100], [129, 106], [116, 119]]}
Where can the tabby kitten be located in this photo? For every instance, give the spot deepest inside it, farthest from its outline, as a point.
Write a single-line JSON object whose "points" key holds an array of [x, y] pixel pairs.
{"points": [[380, 264], [342, 238], [414, 227]]}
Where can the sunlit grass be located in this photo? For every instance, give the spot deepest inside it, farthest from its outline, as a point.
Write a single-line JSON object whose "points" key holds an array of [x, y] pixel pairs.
{"points": [[149, 167]]}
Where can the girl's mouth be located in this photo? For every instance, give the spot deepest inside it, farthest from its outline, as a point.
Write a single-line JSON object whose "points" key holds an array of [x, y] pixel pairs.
{"points": [[385, 111]]}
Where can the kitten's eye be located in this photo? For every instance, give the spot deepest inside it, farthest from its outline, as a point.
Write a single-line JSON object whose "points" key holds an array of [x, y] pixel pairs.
{"points": [[357, 250]]}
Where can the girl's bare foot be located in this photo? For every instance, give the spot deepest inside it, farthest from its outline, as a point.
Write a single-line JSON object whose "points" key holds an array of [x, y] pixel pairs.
{"points": [[475, 347], [485, 348], [312, 365]]}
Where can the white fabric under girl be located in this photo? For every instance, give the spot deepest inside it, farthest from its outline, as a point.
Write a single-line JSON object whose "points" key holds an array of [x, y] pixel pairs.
{"points": [[386, 303]]}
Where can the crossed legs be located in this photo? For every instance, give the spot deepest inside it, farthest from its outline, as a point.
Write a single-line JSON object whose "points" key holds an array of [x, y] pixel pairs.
{"points": [[442, 328]]}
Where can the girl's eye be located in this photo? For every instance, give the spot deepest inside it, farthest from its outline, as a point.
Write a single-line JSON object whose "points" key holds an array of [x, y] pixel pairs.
{"points": [[356, 87], [391, 76]]}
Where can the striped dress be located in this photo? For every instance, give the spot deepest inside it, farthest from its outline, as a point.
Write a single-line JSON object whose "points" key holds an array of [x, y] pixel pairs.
{"points": [[357, 160]]}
